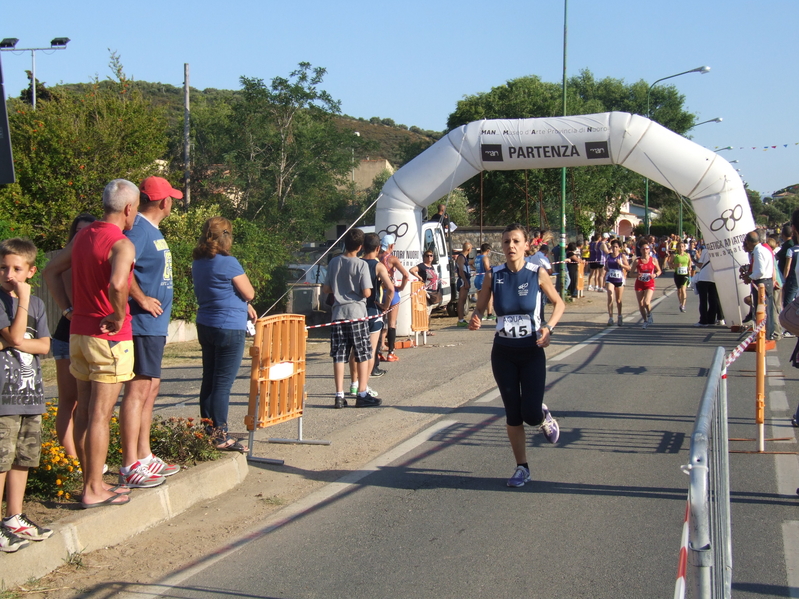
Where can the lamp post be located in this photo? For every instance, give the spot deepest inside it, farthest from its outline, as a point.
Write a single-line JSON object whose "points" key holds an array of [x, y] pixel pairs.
{"points": [[724, 148], [563, 170], [701, 70], [9, 45], [718, 119]]}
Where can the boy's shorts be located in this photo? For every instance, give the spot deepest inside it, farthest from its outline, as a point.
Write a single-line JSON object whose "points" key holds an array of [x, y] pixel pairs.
{"points": [[148, 353], [350, 337], [20, 441], [99, 360], [375, 324]]}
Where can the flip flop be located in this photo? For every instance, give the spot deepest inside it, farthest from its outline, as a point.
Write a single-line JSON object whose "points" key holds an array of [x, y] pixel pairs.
{"points": [[113, 500], [120, 489], [232, 444]]}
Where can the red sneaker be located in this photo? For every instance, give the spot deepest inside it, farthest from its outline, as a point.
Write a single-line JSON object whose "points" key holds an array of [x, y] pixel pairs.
{"points": [[391, 358], [381, 357]]}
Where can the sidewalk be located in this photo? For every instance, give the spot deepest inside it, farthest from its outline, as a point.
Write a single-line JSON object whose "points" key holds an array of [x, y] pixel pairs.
{"points": [[427, 382]]}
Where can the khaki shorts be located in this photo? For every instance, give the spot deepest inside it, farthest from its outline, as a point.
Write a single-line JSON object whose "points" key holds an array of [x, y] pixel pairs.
{"points": [[20, 441], [99, 360]]}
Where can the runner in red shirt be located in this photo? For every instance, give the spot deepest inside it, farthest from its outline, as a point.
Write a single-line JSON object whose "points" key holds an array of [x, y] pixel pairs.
{"points": [[647, 269]]}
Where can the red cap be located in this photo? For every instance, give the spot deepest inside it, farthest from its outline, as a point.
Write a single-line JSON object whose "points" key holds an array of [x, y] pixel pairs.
{"points": [[158, 189]]}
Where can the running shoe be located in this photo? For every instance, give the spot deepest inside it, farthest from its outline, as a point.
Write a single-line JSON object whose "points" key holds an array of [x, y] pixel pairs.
{"points": [[590, 288], [794, 421], [699, 324], [139, 477], [158, 466], [340, 402], [621, 321], [682, 308], [381, 357], [370, 401], [610, 321], [491, 317], [392, 358], [651, 319], [9, 542], [24, 528], [353, 388], [721, 322], [377, 372], [787, 334], [645, 324], [520, 476], [463, 323], [550, 426]]}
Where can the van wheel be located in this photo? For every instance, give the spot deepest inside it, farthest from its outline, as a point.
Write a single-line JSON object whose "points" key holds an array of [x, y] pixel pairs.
{"points": [[452, 309]]}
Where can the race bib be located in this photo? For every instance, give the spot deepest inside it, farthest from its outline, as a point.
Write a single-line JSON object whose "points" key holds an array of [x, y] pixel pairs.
{"points": [[645, 277], [516, 326], [615, 273], [682, 270]]}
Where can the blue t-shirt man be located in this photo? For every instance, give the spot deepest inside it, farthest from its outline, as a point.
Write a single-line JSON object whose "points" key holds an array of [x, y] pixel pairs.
{"points": [[153, 272]]}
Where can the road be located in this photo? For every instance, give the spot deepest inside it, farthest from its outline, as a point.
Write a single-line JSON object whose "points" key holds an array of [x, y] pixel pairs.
{"points": [[432, 517]]}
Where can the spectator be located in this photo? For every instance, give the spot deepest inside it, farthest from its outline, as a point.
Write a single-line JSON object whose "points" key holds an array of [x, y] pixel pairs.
{"points": [[349, 282], [101, 340], [709, 306], [464, 281], [23, 338], [572, 260], [392, 264], [377, 302], [59, 343], [482, 264], [150, 309], [762, 272], [224, 293]]}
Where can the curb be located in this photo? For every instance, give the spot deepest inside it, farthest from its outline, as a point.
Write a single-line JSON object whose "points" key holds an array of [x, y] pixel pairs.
{"points": [[88, 530]]}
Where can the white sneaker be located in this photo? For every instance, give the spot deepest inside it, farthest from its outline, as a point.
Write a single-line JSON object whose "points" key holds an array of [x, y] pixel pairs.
{"points": [[590, 288], [610, 321], [22, 526], [9, 542]]}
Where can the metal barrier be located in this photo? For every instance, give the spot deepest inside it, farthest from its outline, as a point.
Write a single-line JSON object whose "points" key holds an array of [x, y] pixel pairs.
{"points": [[709, 555]]}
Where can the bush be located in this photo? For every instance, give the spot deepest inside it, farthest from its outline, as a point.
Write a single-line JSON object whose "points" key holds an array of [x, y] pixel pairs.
{"points": [[177, 440]]}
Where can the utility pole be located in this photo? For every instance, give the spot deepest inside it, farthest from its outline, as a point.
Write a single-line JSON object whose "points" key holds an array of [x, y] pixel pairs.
{"points": [[186, 140]]}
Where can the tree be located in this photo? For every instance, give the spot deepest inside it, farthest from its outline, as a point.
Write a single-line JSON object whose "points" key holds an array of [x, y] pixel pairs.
{"points": [[288, 158], [595, 193], [70, 148]]}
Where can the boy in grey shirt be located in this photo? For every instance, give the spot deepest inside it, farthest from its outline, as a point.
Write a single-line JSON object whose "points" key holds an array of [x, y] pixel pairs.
{"points": [[349, 281]]}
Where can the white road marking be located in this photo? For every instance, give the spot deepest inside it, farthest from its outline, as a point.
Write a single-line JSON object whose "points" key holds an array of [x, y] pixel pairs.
{"points": [[778, 401], [580, 346], [488, 397], [773, 361], [288, 514], [790, 543], [787, 467]]}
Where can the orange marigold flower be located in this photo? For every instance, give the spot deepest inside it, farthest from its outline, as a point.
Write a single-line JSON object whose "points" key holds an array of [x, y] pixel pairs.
{"points": [[58, 481]]}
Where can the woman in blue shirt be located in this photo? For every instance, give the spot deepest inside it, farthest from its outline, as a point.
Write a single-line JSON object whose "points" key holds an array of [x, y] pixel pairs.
{"points": [[224, 294], [517, 358]]}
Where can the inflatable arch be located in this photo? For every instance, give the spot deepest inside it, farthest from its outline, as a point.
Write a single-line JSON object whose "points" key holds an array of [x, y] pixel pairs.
{"points": [[629, 140]]}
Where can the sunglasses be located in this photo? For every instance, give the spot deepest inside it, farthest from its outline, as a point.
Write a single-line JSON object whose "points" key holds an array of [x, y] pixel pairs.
{"points": [[646, 247], [428, 255]]}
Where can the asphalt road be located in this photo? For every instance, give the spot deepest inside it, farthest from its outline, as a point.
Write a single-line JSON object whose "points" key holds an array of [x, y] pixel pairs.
{"points": [[432, 517]]}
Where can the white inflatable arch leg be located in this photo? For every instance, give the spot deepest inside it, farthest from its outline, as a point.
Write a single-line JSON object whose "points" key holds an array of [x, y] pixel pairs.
{"points": [[710, 182]]}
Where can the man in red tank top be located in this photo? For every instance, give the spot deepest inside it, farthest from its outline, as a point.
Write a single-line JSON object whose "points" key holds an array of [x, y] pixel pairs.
{"points": [[100, 344]]}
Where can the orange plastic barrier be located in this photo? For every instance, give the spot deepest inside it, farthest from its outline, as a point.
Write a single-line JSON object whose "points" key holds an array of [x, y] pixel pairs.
{"points": [[581, 279], [277, 378], [419, 319]]}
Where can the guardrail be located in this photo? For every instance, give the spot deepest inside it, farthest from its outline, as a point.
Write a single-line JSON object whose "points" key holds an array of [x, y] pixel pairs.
{"points": [[708, 558]]}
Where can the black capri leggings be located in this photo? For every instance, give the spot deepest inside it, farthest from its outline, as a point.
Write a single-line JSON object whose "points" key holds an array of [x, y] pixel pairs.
{"points": [[521, 376]]}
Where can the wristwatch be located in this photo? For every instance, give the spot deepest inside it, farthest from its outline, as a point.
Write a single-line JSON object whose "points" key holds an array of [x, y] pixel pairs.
{"points": [[67, 311], [550, 327]]}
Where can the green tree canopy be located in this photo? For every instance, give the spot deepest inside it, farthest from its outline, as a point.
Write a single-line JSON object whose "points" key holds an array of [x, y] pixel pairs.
{"points": [[70, 147]]}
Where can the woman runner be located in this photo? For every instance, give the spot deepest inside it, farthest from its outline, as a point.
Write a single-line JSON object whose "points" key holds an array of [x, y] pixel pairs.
{"points": [[648, 270], [517, 358], [616, 269], [681, 263]]}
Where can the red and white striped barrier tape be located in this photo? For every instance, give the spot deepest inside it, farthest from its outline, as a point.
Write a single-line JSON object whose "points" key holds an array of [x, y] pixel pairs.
{"points": [[736, 353], [682, 565], [381, 315]]}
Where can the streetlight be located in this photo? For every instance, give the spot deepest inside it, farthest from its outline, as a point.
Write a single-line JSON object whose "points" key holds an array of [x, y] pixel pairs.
{"points": [[700, 70], [724, 148], [718, 119], [9, 45]]}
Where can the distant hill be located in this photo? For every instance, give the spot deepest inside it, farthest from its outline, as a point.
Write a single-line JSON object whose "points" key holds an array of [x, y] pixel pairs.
{"points": [[395, 143]]}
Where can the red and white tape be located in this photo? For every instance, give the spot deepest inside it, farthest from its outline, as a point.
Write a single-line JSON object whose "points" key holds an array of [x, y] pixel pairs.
{"points": [[736, 353], [682, 566], [381, 315]]}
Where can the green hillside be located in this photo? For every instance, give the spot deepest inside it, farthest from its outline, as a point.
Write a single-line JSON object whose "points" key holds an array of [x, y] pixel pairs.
{"points": [[384, 138]]}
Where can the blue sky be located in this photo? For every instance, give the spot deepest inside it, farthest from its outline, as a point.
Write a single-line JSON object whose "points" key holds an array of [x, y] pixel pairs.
{"points": [[413, 61]]}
